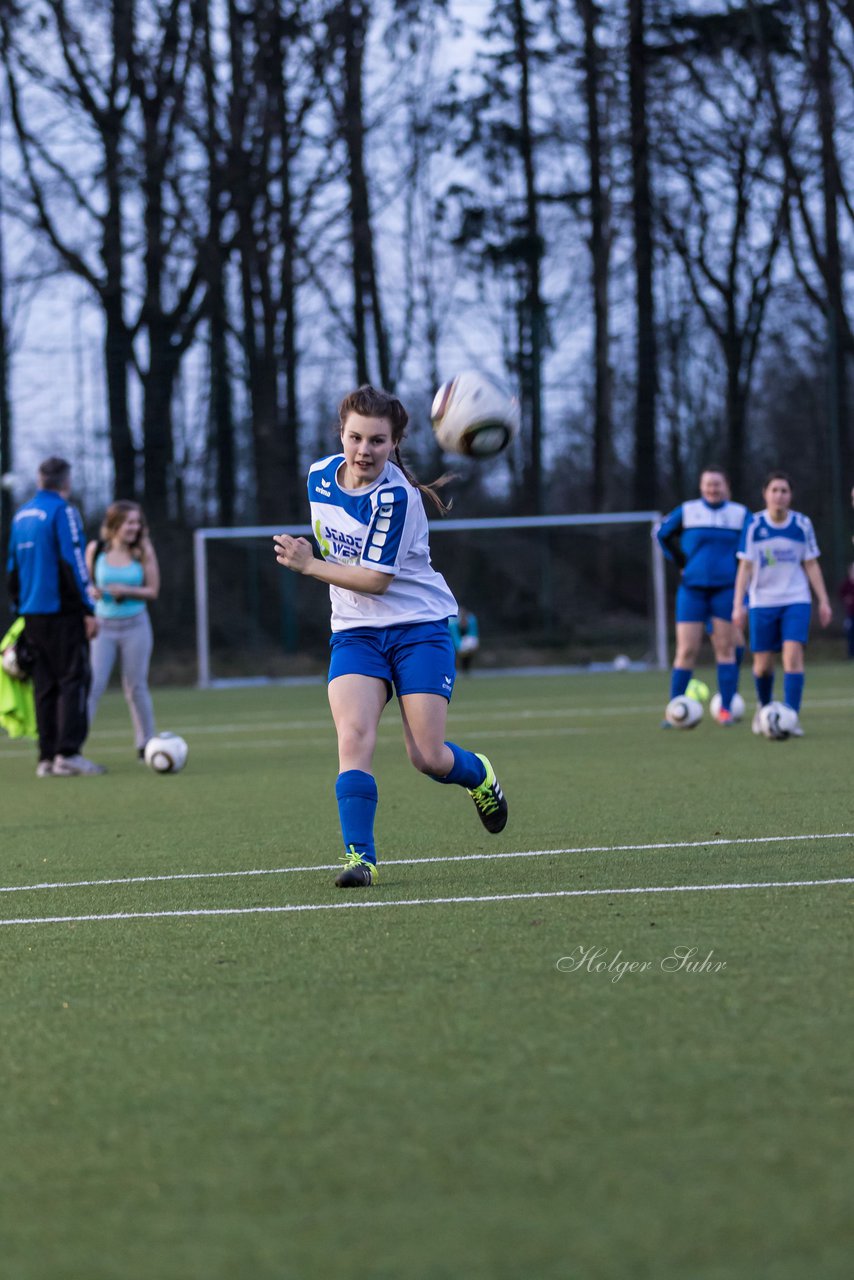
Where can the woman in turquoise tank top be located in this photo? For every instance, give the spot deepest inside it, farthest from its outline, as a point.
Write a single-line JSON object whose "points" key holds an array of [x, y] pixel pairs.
{"points": [[123, 567]]}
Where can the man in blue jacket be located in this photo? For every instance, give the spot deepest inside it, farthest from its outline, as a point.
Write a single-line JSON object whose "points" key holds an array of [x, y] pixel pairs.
{"points": [[49, 585]]}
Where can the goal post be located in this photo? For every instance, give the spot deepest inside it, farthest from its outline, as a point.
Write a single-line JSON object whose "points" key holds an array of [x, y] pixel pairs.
{"points": [[564, 588]]}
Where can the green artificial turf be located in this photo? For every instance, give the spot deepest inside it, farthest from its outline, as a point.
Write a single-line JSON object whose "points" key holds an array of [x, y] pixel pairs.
{"points": [[422, 1091]]}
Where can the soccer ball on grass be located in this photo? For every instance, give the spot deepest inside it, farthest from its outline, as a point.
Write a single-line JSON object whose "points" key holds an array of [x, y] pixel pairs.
{"points": [[683, 712], [777, 721], [166, 753], [736, 707], [474, 417]]}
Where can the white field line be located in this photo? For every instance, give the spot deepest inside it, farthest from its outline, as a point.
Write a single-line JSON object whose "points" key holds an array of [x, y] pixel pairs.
{"points": [[429, 902], [264, 744], [416, 862], [284, 726]]}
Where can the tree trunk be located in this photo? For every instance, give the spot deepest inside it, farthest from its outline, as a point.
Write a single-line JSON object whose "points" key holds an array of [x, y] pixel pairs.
{"points": [[532, 310], [353, 17], [221, 416], [600, 253], [838, 451], [645, 477]]}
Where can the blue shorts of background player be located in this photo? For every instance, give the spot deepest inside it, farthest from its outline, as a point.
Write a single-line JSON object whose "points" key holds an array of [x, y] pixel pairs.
{"points": [[770, 626], [701, 604], [415, 657]]}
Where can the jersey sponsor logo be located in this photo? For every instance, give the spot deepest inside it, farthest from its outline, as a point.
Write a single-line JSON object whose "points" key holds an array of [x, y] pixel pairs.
{"points": [[783, 555], [333, 542], [31, 511]]}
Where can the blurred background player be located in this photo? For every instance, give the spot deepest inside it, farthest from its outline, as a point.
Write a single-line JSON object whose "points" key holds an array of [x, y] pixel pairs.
{"points": [[49, 587], [466, 638], [123, 567], [390, 611], [846, 591], [702, 537], [778, 565]]}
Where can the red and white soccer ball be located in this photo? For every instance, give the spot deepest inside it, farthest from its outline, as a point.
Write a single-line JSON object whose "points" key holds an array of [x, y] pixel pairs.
{"points": [[166, 753], [472, 416]]}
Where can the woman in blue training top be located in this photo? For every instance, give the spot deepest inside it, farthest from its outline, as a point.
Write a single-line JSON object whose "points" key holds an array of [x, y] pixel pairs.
{"points": [[123, 567], [390, 611], [702, 537], [778, 563]]}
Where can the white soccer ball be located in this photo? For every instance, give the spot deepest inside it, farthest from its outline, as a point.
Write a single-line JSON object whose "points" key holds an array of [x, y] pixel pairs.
{"points": [[11, 665], [473, 416], [683, 712], [736, 706], [777, 721], [166, 753]]}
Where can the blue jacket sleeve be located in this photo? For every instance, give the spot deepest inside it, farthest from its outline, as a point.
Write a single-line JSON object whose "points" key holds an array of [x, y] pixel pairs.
{"points": [[73, 574], [668, 534]]}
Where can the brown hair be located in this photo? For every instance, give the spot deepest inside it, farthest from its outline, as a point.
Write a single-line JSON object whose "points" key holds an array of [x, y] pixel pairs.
{"points": [[114, 517], [54, 473], [373, 402], [777, 475]]}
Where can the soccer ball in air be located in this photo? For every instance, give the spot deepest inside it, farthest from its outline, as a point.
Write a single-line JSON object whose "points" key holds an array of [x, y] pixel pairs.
{"points": [[736, 706], [473, 416], [777, 721], [166, 753], [683, 712]]}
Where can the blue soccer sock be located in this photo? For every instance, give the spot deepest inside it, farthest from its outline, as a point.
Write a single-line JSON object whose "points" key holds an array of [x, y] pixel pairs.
{"points": [[356, 793], [727, 682], [740, 651], [764, 688], [679, 680], [793, 689], [466, 771]]}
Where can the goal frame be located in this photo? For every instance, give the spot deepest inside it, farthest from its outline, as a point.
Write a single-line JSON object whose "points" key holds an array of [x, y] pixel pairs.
{"points": [[202, 536]]}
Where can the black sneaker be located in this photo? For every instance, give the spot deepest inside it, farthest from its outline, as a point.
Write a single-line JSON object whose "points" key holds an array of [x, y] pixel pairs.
{"points": [[357, 873], [489, 800]]}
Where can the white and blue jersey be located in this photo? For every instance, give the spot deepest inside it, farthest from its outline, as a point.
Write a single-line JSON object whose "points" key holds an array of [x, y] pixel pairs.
{"points": [[383, 528], [777, 553], [703, 539]]}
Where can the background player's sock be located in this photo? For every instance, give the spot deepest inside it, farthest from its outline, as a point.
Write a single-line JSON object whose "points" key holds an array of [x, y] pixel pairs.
{"points": [[727, 682], [764, 689], [793, 689], [467, 770], [356, 793], [679, 678]]}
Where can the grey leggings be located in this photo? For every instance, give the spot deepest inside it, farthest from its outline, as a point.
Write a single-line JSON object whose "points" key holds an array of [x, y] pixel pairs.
{"points": [[133, 639]]}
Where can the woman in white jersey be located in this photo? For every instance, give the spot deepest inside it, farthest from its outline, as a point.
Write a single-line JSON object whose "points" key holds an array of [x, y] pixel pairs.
{"points": [[123, 566], [778, 563], [390, 611]]}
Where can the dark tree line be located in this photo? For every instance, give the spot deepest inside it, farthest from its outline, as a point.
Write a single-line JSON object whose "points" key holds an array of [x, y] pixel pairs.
{"points": [[637, 214]]}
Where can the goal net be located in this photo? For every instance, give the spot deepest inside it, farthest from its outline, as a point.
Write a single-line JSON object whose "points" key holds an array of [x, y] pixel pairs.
{"points": [[585, 591]]}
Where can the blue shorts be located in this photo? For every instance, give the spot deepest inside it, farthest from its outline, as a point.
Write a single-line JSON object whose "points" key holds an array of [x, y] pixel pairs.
{"points": [[415, 657], [699, 604], [771, 625]]}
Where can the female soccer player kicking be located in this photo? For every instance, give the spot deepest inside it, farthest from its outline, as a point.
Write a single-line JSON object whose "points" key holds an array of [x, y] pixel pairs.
{"points": [[778, 558], [390, 611]]}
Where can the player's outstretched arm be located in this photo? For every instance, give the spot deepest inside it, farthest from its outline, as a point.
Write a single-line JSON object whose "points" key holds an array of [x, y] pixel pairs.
{"points": [[742, 581]]}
